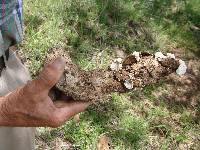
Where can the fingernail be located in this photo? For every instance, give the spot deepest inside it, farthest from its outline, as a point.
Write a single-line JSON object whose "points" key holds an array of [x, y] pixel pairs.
{"points": [[84, 105], [59, 63], [87, 104]]}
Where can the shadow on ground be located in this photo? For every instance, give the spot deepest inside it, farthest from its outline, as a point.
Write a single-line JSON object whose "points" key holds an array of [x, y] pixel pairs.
{"points": [[120, 24]]}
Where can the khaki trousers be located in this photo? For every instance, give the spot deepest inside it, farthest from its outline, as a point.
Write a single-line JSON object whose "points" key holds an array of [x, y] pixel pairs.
{"points": [[13, 76]]}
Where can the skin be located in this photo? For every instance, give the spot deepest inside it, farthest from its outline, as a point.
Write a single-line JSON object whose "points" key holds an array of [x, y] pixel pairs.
{"points": [[31, 106]]}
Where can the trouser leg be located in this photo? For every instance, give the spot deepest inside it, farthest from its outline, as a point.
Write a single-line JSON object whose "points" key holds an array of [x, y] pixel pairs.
{"points": [[13, 76]]}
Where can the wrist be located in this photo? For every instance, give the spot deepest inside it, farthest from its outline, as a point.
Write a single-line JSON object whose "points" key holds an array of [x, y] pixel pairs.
{"points": [[3, 117], [6, 110]]}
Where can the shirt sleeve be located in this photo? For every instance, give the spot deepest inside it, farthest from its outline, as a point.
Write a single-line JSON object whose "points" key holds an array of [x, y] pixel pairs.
{"points": [[10, 25]]}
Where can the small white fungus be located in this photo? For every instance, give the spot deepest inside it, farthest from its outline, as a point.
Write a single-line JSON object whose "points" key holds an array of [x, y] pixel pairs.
{"points": [[120, 66], [182, 68], [137, 55], [116, 65], [119, 60], [128, 84], [113, 66], [159, 56], [170, 55]]}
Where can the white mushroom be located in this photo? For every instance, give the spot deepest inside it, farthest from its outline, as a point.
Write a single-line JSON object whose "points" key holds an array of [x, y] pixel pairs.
{"points": [[116, 65], [113, 66], [137, 55], [159, 56], [128, 84], [119, 60], [182, 68], [170, 55]]}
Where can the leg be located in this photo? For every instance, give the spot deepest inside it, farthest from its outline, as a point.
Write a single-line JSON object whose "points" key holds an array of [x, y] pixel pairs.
{"points": [[13, 76]]}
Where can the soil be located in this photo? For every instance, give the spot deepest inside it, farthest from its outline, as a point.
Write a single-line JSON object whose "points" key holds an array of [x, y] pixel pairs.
{"points": [[96, 85]]}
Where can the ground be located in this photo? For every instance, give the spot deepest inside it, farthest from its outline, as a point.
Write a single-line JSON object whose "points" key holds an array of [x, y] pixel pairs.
{"points": [[161, 116]]}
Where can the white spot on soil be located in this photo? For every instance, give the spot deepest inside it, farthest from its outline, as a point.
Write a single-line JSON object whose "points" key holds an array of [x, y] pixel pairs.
{"points": [[182, 68], [137, 55], [128, 84]]}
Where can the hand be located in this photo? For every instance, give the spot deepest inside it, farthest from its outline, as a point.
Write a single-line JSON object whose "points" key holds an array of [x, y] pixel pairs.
{"points": [[30, 105]]}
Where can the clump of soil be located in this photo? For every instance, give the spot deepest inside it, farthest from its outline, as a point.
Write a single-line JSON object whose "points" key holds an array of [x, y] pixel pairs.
{"points": [[97, 84]]}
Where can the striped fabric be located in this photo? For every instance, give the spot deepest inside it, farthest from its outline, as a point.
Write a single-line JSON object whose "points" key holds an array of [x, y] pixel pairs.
{"points": [[10, 23]]}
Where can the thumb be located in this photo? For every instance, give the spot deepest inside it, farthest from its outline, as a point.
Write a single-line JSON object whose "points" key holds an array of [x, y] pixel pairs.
{"points": [[50, 74], [68, 109]]}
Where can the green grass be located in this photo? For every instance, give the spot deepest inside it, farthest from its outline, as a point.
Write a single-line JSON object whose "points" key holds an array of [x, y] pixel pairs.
{"points": [[86, 28]]}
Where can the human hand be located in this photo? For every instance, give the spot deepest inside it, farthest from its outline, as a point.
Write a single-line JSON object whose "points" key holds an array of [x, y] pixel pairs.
{"points": [[30, 105]]}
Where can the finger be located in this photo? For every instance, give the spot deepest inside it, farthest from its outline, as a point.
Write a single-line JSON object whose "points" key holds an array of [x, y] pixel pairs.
{"points": [[61, 104], [50, 74], [67, 110]]}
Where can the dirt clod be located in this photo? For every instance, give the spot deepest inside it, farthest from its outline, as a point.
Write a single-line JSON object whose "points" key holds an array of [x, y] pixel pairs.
{"points": [[97, 84]]}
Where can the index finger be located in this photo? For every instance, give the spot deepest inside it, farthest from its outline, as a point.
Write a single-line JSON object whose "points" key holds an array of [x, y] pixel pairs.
{"points": [[50, 75], [68, 109]]}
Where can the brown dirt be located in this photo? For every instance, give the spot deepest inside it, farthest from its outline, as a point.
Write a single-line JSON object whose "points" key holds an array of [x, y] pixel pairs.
{"points": [[184, 90], [97, 84]]}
